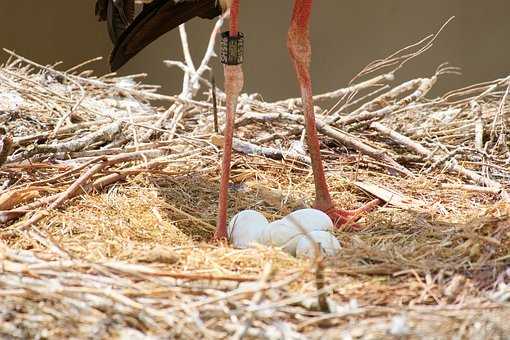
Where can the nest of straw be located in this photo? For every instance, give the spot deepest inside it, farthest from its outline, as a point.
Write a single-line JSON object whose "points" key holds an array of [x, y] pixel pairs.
{"points": [[108, 198]]}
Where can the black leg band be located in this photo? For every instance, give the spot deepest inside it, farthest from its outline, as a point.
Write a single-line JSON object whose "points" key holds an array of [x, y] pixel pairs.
{"points": [[232, 49]]}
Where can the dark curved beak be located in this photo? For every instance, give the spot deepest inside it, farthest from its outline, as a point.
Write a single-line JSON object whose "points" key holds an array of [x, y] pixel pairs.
{"points": [[156, 19]]}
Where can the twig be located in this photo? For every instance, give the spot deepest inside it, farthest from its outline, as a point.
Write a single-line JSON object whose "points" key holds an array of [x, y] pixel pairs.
{"points": [[70, 192], [253, 149], [379, 155], [471, 188], [9, 215], [256, 299], [5, 148], [477, 110], [403, 140], [425, 86], [192, 75], [499, 112], [215, 105], [342, 137], [66, 76], [342, 92], [104, 134]]}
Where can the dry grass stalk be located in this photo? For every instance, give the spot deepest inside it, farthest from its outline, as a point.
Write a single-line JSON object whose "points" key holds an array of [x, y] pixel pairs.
{"points": [[116, 248]]}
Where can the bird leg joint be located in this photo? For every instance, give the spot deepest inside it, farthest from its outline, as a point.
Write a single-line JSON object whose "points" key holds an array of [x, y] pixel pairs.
{"points": [[232, 49]]}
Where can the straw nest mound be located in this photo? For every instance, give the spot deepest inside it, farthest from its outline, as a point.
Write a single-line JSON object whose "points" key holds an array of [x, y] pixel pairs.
{"points": [[109, 193]]}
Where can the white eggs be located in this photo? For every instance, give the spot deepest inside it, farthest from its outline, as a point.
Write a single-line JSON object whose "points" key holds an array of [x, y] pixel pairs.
{"points": [[324, 241], [309, 219], [246, 227], [293, 233]]}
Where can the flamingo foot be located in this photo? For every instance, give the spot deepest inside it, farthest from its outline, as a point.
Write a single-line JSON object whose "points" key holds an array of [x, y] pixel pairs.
{"points": [[220, 234], [346, 219]]}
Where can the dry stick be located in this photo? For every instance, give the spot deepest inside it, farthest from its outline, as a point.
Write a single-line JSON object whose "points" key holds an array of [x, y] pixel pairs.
{"points": [[62, 175], [389, 96], [138, 269], [47, 241], [499, 114], [105, 134], [159, 123], [86, 62], [25, 140], [185, 47], [326, 318], [215, 105], [470, 187], [207, 226], [240, 291], [33, 85], [40, 236], [70, 192], [454, 166], [87, 154], [290, 133], [179, 113], [5, 148], [379, 155], [442, 160], [99, 83], [396, 60], [479, 130], [401, 139], [257, 298], [125, 268], [320, 280], [485, 88], [193, 75], [62, 74], [343, 91], [9, 215], [104, 181], [425, 86], [209, 53], [188, 68], [248, 148], [364, 99], [250, 117], [331, 132], [477, 109]]}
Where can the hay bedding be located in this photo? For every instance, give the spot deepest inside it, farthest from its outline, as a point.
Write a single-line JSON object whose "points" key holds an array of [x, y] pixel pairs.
{"points": [[108, 199]]}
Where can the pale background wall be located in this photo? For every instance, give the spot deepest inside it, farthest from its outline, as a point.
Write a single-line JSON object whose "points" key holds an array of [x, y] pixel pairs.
{"points": [[346, 36]]}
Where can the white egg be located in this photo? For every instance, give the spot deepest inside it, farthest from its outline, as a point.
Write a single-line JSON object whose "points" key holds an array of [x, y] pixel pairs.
{"points": [[279, 234], [249, 226], [285, 233], [327, 242], [246, 228], [309, 220]]}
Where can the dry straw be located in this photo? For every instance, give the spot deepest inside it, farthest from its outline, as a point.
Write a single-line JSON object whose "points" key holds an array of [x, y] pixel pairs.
{"points": [[108, 200]]}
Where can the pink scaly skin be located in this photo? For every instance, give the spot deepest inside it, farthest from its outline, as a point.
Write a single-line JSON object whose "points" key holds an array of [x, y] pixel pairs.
{"points": [[234, 80], [299, 47]]}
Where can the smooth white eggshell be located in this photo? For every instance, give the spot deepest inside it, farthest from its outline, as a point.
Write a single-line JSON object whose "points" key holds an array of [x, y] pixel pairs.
{"points": [[285, 233], [327, 242], [246, 228], [278, 234], [309, 219]]}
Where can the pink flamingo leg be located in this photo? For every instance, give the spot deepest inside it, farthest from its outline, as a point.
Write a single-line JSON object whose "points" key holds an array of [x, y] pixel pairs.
{"points": [[300, 51], [233, 85]]}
